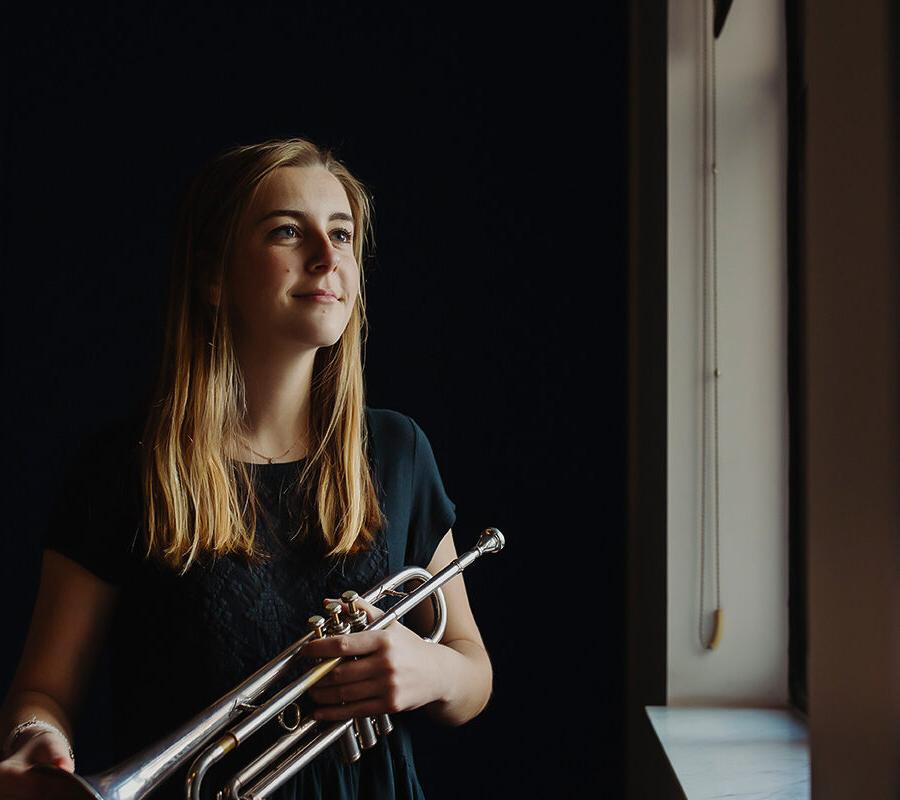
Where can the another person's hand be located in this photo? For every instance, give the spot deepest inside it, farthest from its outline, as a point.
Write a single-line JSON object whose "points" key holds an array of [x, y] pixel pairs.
{"points": [[395, 671], [17, 779]]}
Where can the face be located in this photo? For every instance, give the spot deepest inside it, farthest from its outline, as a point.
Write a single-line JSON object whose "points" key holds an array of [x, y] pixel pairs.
{"points": [[296, 238]]}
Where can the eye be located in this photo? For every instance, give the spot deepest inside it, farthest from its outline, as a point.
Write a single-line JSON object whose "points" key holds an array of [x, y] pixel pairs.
{"points": [[287, 228], [347, 234]]}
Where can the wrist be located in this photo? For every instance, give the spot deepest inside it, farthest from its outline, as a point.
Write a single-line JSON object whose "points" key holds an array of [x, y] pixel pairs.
{"points": [[464, 685], [442, 670], [27, 730]]}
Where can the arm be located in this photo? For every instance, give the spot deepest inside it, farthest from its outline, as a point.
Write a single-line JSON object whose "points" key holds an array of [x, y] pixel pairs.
{"points": [[69, 619], [399, 671], [461, 658]]}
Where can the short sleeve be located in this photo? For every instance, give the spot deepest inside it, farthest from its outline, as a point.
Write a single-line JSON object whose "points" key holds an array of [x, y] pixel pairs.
{"points": [[91, 519], [432, 513]]}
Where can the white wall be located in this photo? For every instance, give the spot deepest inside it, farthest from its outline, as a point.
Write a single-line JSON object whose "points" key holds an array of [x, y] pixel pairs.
{"points": [[750, 665]]}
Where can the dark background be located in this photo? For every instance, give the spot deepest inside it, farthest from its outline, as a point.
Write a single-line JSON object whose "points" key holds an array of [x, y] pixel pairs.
{"points": [[495, 144]]}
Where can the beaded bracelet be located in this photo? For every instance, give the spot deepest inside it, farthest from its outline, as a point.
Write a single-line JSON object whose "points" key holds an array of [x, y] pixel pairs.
{"points": [[41, 725]]}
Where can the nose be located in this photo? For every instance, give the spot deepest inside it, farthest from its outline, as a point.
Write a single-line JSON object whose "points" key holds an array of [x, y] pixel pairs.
{"points": [[323, 256]]}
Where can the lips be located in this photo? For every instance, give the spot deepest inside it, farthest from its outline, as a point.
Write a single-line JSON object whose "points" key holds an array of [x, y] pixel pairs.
{"points": [[319, 293]]}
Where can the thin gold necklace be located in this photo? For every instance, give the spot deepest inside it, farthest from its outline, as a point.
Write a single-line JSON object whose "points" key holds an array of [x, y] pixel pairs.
{"points": [[271, 459]]}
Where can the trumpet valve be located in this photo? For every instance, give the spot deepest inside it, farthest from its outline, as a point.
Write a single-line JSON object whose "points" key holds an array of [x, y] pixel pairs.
{"points": [[317, 626], [336, 625], [350, 746], [350, 597], [366, 732], [355, 615], [383, 724]]}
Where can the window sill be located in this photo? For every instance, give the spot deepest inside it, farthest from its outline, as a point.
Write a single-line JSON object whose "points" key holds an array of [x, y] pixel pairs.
{"points": [[719, 752]]}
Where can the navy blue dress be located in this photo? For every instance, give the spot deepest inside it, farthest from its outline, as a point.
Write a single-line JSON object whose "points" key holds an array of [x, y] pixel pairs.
{"points": [[177, 644]]}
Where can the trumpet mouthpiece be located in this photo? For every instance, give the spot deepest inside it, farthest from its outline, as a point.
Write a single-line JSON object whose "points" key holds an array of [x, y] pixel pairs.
{"points": [[490, 541]]}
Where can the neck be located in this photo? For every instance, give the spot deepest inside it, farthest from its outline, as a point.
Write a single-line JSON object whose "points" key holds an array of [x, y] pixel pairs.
{"points": [[277, 393]]}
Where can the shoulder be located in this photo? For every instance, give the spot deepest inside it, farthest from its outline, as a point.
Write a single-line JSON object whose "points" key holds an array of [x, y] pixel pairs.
{"points": [[402, 439], [397, 440], [391, 429]]}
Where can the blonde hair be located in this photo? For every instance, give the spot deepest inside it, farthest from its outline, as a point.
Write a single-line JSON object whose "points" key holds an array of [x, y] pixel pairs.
{"points": [[195, 499]]}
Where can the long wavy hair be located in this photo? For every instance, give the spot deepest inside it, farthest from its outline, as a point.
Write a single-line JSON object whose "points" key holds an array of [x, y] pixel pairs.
{"points": [[196, 499]]}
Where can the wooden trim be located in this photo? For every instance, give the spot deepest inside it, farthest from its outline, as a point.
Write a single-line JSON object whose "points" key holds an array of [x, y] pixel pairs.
{"points": [[647, 771]]}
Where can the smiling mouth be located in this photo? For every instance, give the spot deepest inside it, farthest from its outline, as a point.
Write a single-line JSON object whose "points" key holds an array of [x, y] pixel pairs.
{"points": [[318, 298]]}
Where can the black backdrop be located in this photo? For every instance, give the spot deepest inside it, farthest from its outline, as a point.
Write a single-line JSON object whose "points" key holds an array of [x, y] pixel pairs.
{"points": [[494, 142]]}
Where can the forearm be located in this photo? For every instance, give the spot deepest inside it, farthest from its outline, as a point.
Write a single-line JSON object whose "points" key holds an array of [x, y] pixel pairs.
{"points": [[466, 680], [22, 705]]}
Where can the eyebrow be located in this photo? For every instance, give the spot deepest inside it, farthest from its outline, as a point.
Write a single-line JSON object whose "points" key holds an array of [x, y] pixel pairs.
{"points": [[297, 214]]}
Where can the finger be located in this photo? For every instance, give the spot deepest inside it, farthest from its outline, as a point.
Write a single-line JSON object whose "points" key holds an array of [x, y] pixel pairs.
{"points": [[352, 671], [363, 708], [347, 644], [49, 750], [346, 692], [62, 762], [33, 783], [373, 612]]}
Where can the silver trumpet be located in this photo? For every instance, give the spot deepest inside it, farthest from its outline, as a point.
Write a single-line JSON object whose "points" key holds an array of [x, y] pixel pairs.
{"points": [[206, 740]]}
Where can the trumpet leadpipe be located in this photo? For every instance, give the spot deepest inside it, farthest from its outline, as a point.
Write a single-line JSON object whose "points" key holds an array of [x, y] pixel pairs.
{"points": [[491, 541]]}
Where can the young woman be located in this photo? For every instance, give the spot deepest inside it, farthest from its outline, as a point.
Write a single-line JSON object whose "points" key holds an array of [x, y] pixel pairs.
{"points": [[200, 534]]}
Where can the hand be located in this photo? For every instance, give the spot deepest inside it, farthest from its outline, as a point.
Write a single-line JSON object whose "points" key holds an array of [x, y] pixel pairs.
{"points": [[17, 779], [395, 671]]}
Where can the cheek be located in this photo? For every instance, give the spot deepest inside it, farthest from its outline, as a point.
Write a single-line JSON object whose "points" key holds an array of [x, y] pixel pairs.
{"points": [[353, 284], [272, 271], [261, 277]]}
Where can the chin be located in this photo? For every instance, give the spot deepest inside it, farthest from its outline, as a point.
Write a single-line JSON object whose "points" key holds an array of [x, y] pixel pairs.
{"points": [[323, 341]]}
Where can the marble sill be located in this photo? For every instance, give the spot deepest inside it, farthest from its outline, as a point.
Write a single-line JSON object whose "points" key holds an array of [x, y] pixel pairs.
{"points": [[751, 753]]}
